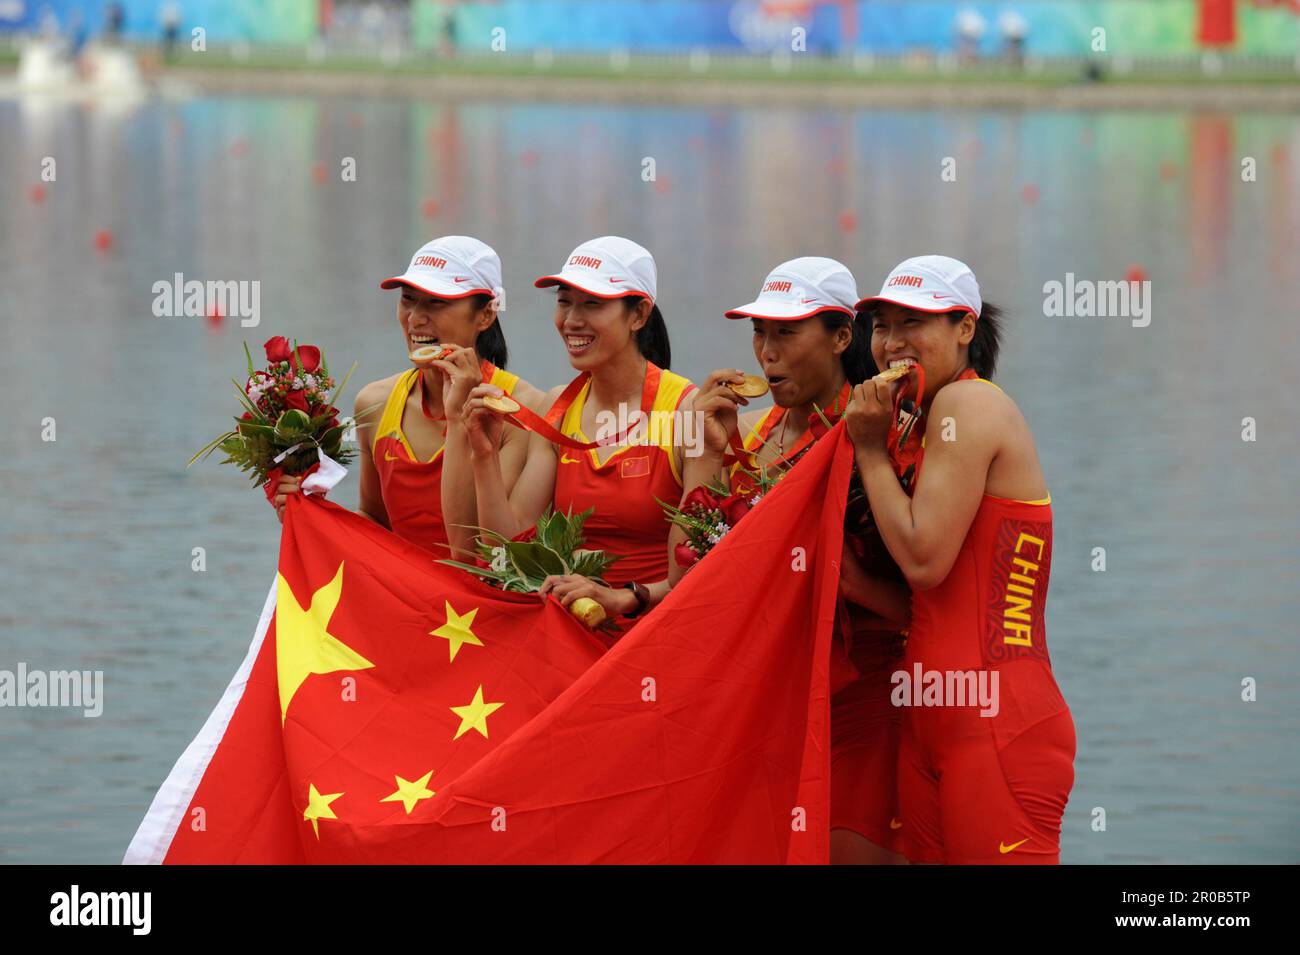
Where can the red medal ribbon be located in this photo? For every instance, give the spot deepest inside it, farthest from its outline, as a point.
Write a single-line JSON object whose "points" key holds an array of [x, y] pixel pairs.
{"points": [[816, 429], [548, 427], [905, 441]]}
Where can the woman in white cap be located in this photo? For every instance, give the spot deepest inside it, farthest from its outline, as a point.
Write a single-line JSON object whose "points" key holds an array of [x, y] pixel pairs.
{"points": [[451, 296], [616, 339], [811, 351], [965, 512]]}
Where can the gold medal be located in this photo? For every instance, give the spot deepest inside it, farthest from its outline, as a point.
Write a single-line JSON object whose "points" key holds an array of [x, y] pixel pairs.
{"points": [[753, 386], [427, 354], [895, 373], [502, 403]]}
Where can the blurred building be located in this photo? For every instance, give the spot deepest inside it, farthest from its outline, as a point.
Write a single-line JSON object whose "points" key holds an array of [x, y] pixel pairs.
{"points": [[1042, 28]]}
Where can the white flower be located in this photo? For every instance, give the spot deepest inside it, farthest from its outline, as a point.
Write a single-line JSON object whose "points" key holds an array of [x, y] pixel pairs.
{"points": [[755, 499]]}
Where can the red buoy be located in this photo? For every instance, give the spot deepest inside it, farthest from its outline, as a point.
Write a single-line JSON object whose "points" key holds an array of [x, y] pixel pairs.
{"points": [[319, 172], [430, 207], [1135, 273], [103, 240], [848, 220], [1029, 193], [37, 193]]}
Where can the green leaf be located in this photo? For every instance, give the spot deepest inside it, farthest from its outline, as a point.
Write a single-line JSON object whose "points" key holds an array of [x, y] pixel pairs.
{"points": [[249, 356], [535, 560], [243, 397], [334, 399], [211, 446], [293, 424]]}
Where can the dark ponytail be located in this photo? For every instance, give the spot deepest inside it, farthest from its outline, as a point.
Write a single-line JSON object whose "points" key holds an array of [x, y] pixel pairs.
{"points": [[491, 342], [652, 337], [856, 359], [982, 352]]}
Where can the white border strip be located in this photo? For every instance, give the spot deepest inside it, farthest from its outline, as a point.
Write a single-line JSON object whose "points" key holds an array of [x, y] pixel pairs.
{"points": [[154, 837]]}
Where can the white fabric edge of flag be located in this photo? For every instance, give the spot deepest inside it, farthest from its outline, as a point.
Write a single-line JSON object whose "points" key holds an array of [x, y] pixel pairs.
{"points": [[154, 837]]}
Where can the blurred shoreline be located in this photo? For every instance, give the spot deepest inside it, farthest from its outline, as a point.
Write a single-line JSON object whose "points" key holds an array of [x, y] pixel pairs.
{"points": [[694, 91], [815, 82]]}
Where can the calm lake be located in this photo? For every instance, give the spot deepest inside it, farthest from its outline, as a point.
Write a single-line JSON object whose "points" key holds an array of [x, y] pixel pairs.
{"points": [[1140, 429]]}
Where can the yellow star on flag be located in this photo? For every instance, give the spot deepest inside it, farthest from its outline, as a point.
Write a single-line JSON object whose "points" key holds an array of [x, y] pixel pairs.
{"points": [[409, 793], [474, 714], [457, 630], [303, 644], [318, 807]]}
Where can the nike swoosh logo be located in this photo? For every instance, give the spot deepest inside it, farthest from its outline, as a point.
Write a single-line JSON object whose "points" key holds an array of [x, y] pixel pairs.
{"points": [[895, 824], [618, 280], [937, 295], [389, 456], [565, 459], [808, 301], [460, 280], [1004, 848]]}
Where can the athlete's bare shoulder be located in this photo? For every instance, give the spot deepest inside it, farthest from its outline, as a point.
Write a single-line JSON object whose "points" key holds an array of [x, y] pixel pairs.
{"points": [[376, 392], [974, 395], [533, 397]]}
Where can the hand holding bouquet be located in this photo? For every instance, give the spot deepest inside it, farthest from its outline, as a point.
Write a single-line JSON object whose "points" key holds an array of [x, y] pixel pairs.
{"points": [[552, 548], [710, 511]]}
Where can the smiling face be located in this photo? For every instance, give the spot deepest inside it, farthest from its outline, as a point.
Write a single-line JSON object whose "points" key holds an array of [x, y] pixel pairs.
{"points": [[800, 358], [902, 335], [429, 320], [594, 330]]}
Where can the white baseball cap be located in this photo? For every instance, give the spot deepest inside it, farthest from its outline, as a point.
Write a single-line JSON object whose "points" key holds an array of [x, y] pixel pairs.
{"points": [[931, 283], [453, 266], [608, 267], [801, 288]]}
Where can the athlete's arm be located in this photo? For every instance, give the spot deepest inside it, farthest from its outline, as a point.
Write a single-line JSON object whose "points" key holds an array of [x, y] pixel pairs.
{"points": [[370, 500], [501, 510], [888, 600], [462, 372], [924, 533], [514, 446], [718, 406]]}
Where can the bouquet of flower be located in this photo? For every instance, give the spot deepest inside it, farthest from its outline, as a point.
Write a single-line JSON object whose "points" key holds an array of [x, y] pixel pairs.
{"points": [[289, 414], [552, 547], [711, 510]]}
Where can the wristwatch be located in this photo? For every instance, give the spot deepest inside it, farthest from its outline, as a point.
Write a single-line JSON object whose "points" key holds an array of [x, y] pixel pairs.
{"points": [[642, 598]]}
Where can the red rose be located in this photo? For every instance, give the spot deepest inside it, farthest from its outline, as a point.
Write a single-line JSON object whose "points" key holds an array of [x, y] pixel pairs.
{"points": [[700, 497], [734, 508], [296, 399], [310, 358], [317, 410], [685, 555], [277, 349]]}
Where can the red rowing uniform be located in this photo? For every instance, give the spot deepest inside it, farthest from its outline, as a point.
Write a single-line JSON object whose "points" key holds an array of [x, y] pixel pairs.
{"points": [[412, 489], [988, 789], [622, 488], [865, 727]]}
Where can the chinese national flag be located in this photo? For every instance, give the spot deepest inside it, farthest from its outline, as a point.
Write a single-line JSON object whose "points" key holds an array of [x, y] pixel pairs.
{"points": [[392, 709]]}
